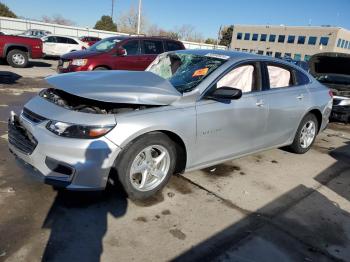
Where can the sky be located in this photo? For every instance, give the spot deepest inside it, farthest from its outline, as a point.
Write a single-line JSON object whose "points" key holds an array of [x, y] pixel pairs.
{"points": [[205, 15]]}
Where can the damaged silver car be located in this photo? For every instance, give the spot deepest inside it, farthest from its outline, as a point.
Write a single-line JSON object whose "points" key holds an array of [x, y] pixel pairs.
{"points": [[189, 110]]}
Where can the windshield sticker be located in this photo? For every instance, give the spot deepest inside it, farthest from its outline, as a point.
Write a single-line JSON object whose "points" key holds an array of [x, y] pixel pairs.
{"points": [[226, 57], [200, 72]]}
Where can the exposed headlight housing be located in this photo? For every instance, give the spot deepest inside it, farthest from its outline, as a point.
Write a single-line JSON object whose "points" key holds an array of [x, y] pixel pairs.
{"points": [[79, 62], [345, 102], [78, 131]]}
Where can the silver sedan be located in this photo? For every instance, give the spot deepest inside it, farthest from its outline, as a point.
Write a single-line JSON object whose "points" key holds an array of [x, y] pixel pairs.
{"points": [[189, 110]]}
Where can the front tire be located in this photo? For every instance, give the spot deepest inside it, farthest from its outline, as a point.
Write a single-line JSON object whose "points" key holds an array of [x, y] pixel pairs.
{"points": [[17, 58], [146, 165], [305, 135]]}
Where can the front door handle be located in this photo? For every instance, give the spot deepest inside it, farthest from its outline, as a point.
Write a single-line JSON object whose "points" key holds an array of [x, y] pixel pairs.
{"points": [[300, 97], [260, 103]]}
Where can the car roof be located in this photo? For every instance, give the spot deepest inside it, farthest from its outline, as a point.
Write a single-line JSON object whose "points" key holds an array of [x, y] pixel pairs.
{"points": [[123, 37], [224, 53], [73, 37]]}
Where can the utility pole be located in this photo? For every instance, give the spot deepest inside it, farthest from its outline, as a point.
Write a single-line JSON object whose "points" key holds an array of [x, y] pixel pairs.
{"points": [[139, 18], [112, 13]]}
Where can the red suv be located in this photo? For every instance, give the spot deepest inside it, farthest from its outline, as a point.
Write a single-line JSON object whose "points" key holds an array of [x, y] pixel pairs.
{"points": [[118, 53]]}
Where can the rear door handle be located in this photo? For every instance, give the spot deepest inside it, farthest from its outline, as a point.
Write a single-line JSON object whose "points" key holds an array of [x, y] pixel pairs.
{"points": [[300, 97]]}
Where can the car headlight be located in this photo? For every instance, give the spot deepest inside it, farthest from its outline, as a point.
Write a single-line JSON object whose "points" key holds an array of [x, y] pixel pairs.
{"points": [[79, 62], [77, 131], [345, 102]]}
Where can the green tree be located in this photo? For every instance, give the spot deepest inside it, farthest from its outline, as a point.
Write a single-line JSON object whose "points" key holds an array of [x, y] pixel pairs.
{"points": [[226, 35], [106, 23], [5, 11], [211, 41]]}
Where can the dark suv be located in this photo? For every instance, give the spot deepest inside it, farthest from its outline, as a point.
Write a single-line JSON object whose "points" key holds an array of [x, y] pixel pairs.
{"points": [[118, 53]]}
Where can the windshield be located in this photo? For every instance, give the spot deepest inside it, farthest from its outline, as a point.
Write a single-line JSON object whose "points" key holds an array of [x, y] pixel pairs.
{"points": [[185, 71], [105, 45]]}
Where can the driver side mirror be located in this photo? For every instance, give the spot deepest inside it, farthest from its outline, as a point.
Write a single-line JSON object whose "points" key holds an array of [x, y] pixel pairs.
{"points": [[121, 51], [225, 93]]}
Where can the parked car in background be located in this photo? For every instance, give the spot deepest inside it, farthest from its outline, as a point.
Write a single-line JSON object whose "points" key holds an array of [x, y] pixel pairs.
{"points": [[189, 110], [1, 33], [90, 40], [57, 45], [36, 33], [333, 70], [17, 49], [118, 53]]}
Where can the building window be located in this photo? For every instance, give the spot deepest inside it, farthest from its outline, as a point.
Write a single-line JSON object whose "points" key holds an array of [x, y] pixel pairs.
{"points": [[281, 38], [312, 40], [260, 52], [324, 40], [252, 51], [301, 40], [269, 53], [278, 54], [244, 50], [342, 43], [291, 39], [263, 37], [247, 36], [255, 37], [272, 38], [237, 49], [297, 57], [287, 55], [307, 57], [339, 42], [346, 44], [239, 36]]}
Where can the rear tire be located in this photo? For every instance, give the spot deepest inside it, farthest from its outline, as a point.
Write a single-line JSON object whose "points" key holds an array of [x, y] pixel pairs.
{"points": [[17, 58], [305, 135], [100, 68], [145, 166]]}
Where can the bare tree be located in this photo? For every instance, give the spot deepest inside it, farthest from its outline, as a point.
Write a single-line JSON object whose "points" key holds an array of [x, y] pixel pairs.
{"points": [[127, 22], [189, 33], [57, 19]]}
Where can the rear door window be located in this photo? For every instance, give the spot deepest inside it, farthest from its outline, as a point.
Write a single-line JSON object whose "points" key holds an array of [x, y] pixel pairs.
{"points": [[61, 40], [71, 41], [172, 46], [153, 47], [131, 47], [279, 76]]}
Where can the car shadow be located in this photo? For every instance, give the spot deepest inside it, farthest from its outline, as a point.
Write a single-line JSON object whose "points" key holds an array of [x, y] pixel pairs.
{"points": [[300, 225], [7, 77], [78, 220], [34, 63]]}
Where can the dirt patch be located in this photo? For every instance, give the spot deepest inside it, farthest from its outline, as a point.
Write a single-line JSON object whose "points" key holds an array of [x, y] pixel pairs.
{"points": [[141, 219], [221, 170], [166, 212], [179, 185], [151, 201], [177, 233]]}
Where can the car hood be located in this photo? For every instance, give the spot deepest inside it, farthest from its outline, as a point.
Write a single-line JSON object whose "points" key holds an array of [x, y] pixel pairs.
{"points": [[80, 54], [333, 70], [127, 87]]}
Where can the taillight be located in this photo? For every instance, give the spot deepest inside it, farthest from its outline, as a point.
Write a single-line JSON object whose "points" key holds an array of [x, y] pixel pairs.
{"points": [[330, 93]]}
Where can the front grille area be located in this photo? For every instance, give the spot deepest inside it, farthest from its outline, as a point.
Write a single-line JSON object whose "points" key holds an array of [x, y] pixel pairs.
{"points": [[35, 118], [20, 138]]}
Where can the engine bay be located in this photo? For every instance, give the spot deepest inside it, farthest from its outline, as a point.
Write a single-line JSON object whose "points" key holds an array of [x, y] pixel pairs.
{"points": [[85, 105]]}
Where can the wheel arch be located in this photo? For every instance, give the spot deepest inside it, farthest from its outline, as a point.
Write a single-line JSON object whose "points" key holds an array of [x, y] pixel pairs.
{"points": [[10, 47], [180, 144], [317, 113], [105, 66]]}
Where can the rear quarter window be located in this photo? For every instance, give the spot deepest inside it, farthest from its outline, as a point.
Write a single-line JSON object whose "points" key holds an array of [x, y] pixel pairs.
{"points": [[301, 78]]}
